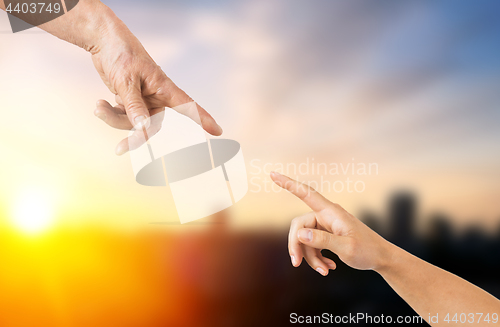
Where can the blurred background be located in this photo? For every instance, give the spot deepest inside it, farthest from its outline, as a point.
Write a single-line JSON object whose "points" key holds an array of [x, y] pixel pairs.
{"points": [[409, 86]]}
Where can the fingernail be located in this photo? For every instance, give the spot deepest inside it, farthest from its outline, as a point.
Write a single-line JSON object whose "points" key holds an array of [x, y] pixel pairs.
{"points": [[321, 271], [141, 122], [220, 129], [305, 235], [100, 115], [293, 260], [120, 150]]}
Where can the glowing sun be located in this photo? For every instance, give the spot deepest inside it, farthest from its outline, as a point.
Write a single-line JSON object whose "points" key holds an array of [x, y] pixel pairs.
{"points": [[33, 212]]}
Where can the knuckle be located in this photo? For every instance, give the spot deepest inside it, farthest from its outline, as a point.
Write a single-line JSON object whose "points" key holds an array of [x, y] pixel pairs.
{"points": [[306, 195], [295, 221], [165, 87], [324, 239], [176, 95], [126, 83], [122, 79], [337, 206], [135, 106], [329, 211], [289, 185]]}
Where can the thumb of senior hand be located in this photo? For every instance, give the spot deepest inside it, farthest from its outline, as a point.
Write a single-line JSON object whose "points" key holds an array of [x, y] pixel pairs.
{"points": [[136, 109]]}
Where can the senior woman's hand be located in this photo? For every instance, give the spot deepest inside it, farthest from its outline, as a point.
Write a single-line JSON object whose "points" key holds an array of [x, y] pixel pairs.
{"points": [[141, 88]]}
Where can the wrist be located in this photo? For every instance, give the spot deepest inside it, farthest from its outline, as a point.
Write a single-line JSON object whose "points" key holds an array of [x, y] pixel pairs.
{"points": [[95, 21], [107, 33], [85, 26], [389, 254]]}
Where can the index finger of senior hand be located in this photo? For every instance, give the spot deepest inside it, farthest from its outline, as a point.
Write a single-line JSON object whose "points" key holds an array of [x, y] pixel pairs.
{"points": [[304, 192], [174, 97]]}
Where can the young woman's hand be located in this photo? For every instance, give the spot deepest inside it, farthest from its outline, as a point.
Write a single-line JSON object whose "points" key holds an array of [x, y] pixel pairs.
{"points": [[330, 227]]}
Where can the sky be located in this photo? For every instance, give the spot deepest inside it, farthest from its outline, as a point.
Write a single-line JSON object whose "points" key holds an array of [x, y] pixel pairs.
{"points": [[409, 86], [357, 98]]}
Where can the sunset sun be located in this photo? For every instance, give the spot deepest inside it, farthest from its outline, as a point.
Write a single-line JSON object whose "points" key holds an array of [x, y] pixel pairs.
{"points": [[33, 212]]}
